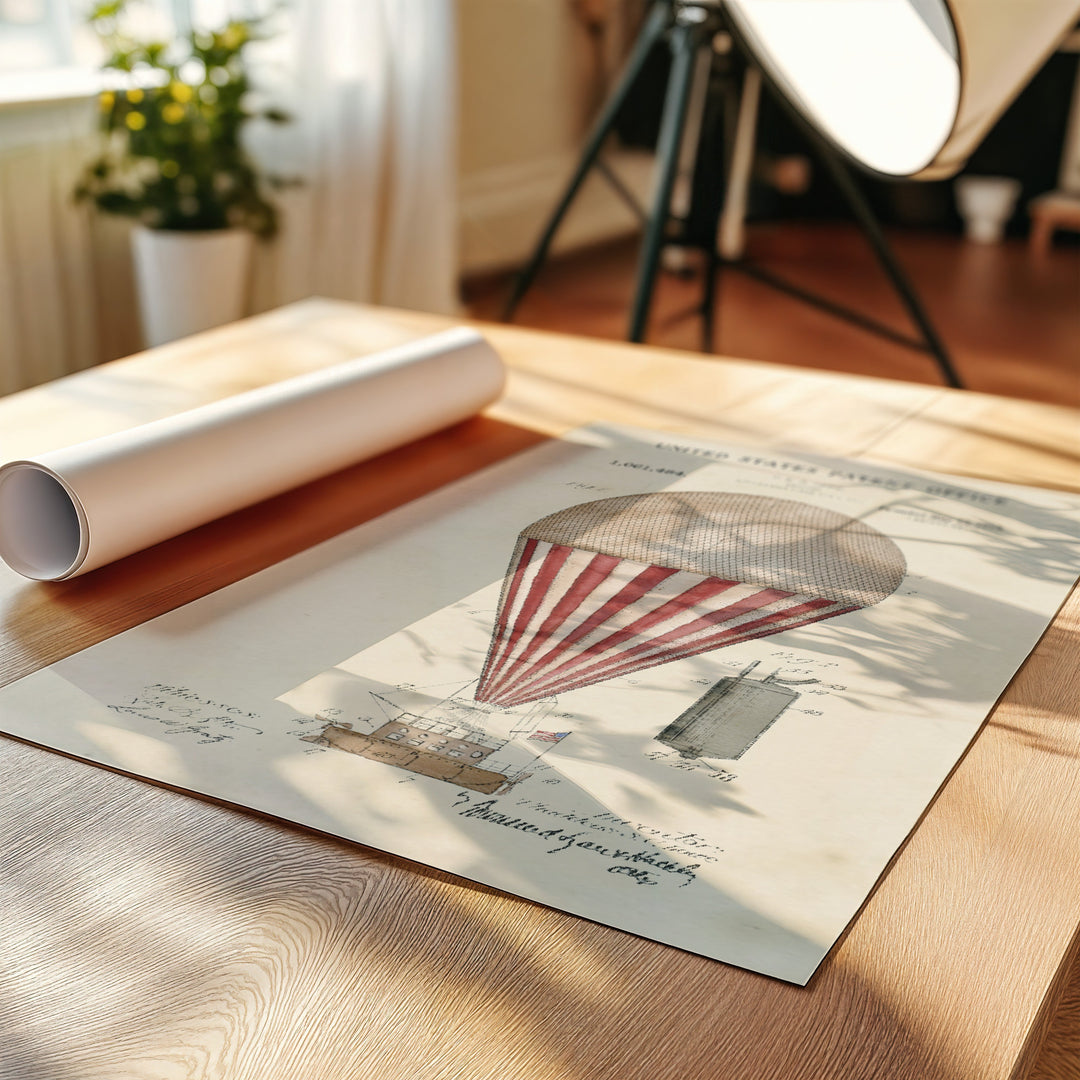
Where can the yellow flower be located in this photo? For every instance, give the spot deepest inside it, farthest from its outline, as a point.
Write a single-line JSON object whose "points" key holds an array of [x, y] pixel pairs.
{"points": [[180, 91], [233, 36], [170, 168], [172, 113], [135, 121], [135, 96], [106, 100]]}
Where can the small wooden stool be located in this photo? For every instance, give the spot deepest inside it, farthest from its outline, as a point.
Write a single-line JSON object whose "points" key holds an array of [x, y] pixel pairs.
{"points": [[1049, 212]]}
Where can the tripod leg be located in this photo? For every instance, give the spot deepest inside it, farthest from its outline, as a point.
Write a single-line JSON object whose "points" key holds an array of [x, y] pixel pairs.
{"points": [[682, 195], [709, 301], [869, 223], [728, 202], [685, 40], [652, 31], [731, 233]]}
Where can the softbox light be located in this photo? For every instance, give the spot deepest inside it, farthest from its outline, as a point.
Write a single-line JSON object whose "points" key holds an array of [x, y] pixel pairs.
{"points": [[906, 88]]}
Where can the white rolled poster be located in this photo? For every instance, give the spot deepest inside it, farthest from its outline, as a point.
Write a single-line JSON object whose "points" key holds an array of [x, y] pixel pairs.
{"points": [[68, 511]]}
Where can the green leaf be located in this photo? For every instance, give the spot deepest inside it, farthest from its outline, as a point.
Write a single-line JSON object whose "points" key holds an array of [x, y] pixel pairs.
{"points": [[191, 172]]}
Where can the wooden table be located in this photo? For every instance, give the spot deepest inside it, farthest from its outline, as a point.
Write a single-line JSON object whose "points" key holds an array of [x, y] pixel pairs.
{"points": [[149, 934]]}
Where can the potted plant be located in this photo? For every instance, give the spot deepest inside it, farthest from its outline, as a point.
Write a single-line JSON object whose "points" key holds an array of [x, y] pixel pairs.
{"points": [[172, 158]]}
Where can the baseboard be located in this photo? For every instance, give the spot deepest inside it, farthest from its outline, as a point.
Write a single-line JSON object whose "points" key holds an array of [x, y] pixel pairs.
{"points": [[503, 209]]}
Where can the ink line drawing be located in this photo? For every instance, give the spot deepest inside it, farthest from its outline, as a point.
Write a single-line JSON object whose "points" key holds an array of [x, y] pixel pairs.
{"points": [[730, 716], [447, 742], [611, 587], [420, 751]]}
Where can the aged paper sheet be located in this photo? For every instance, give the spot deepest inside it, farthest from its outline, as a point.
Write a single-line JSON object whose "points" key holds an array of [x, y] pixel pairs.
{"points": [[692, 691]]}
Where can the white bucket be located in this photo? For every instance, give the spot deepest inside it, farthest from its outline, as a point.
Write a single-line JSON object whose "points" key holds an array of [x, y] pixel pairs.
{"points": [[986, 203]]}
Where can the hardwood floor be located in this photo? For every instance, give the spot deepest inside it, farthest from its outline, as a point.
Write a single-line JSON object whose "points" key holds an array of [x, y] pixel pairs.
{"points": [[1011, 320]]}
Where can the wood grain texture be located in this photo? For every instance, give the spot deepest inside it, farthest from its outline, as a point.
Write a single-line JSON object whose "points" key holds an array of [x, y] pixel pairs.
{"points": [[148, 934], [1059, 1056]]}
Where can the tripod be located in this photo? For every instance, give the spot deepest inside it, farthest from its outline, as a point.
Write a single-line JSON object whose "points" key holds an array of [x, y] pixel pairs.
{"points": [[690, 27]]}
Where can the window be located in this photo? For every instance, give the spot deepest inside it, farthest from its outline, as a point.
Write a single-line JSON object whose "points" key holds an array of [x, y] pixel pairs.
{"points": [[35, 34], [48, 51]]}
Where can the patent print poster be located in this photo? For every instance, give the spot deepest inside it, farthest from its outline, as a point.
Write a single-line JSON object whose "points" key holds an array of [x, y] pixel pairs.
{"points": [[695, 692]]}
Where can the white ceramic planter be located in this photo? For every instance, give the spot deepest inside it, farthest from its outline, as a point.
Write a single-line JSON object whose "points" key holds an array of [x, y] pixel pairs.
{"points": [[189, 281]]}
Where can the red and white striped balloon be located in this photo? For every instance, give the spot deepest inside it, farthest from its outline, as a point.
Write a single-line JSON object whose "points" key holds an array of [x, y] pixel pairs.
{"points": [[734, 567]]}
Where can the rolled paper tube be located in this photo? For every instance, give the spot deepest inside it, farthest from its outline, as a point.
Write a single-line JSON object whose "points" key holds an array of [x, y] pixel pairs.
{"points": [[72, 510]]}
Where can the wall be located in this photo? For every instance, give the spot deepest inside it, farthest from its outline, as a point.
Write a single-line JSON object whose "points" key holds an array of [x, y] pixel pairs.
{"points": [[528, 88]]}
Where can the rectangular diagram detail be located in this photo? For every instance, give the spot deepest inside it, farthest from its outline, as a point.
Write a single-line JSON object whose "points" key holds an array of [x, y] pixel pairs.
{"points": [[382, 746], [728, 718]]}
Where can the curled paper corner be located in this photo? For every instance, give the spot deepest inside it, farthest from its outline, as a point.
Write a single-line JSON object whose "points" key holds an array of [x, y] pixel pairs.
{"points": [[44, 534]]}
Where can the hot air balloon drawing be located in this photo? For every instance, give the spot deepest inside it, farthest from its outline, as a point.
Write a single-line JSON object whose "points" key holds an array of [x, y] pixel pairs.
{"points": [[610, 587]]}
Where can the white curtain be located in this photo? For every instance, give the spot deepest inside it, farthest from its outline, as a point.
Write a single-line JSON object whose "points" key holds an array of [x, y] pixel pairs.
{"points": [[372, 88], [50, 271]]}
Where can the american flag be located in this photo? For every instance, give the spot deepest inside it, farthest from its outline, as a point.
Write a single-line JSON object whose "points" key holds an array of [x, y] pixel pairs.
{"points": [[549, 736]]}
